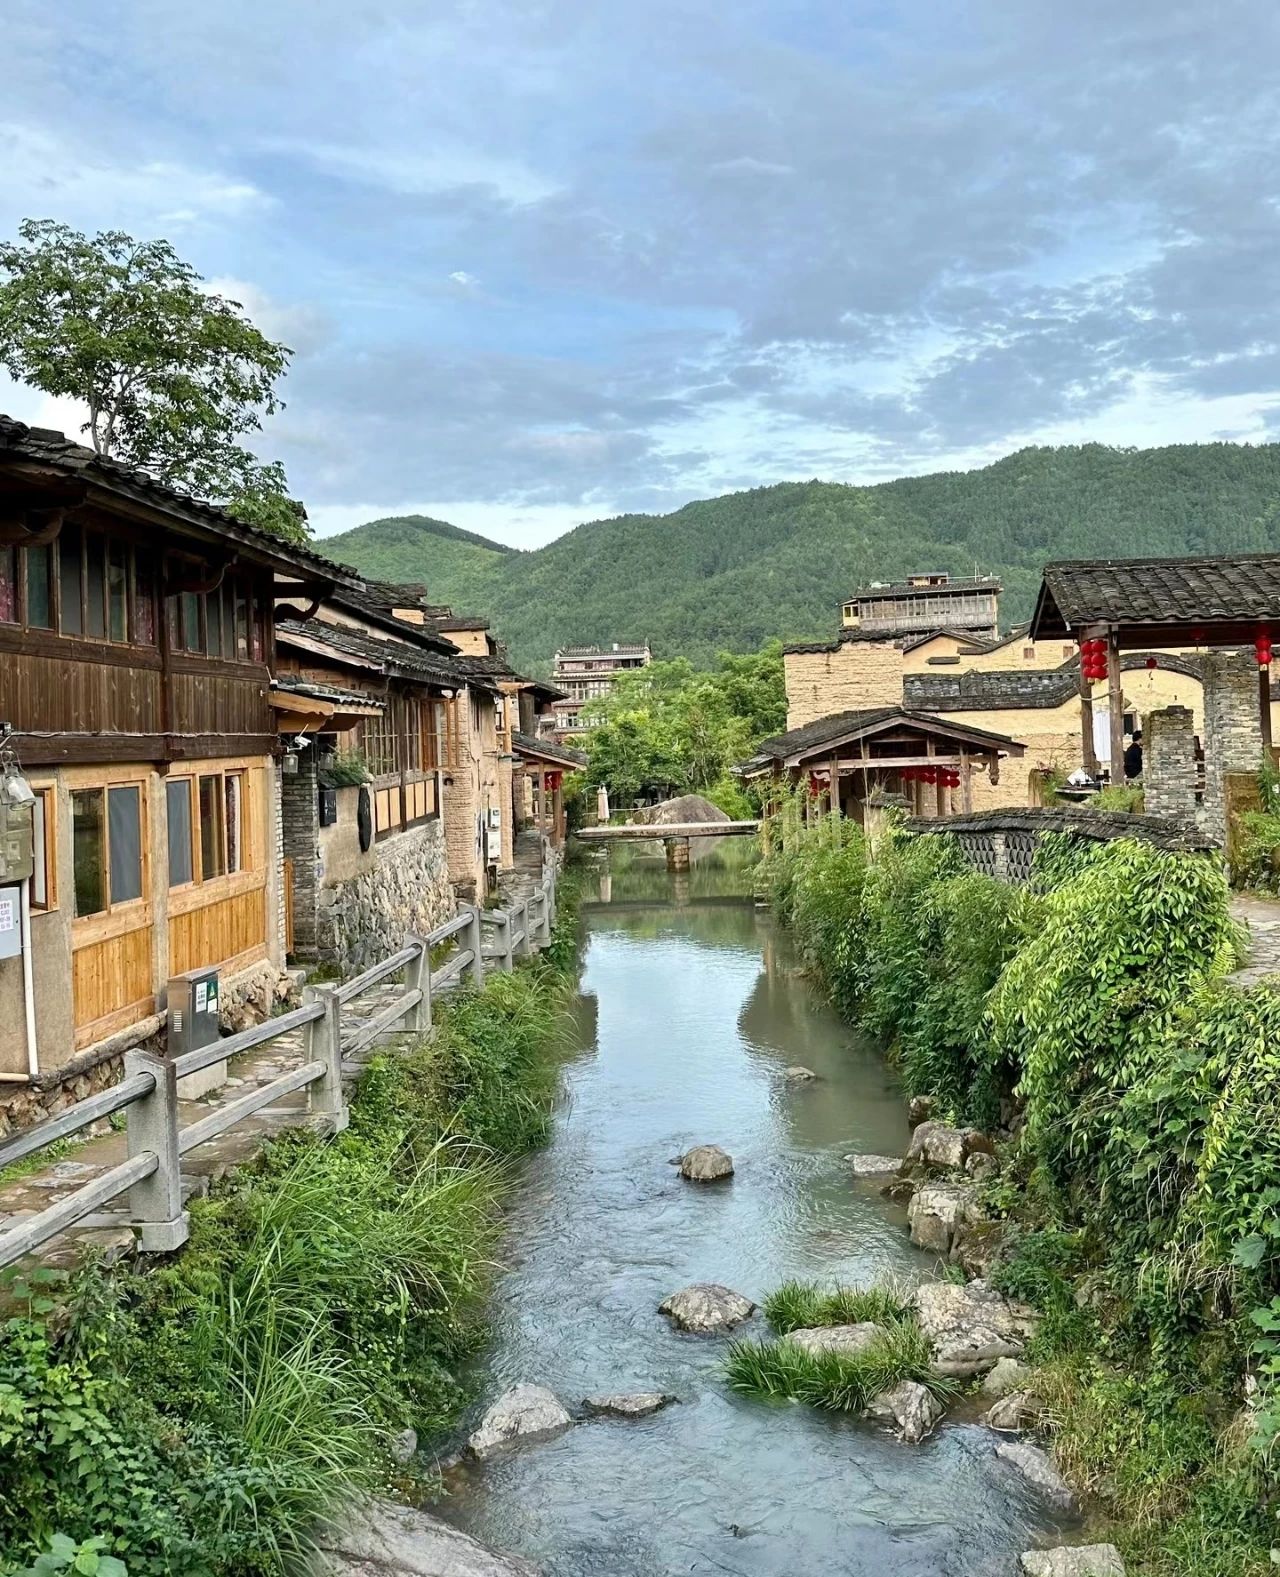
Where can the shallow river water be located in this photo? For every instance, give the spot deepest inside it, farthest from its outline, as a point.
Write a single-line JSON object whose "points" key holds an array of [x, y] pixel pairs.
{"points": [[691, 1009]]}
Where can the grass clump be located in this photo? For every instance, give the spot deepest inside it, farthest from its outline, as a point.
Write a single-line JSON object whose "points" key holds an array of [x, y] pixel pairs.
{"points": [[801, 1305], [839, 1382]]}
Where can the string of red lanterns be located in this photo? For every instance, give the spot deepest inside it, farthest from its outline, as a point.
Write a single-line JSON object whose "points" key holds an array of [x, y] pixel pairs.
{"points": [[1093, 659], [944, 777], [1262, 646]]}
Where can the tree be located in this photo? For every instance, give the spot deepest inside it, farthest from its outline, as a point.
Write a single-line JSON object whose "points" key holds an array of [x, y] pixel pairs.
{"points": [[172, 374]]}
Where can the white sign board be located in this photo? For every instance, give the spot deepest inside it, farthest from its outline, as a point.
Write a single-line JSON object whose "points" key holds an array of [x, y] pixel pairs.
{"points": [[10, 922]]}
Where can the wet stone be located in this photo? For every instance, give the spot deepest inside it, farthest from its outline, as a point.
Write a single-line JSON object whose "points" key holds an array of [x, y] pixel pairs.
{"points": [[525, 1412], [873, 1165], [628, 1404], [844, 1339], [706, 1308], [706, 1163], [1036, 1466], [1079, 1560]]}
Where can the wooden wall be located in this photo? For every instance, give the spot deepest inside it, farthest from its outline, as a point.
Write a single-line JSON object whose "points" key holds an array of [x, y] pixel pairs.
{"points": [[111, 977], [230, 928], [110, 690]]}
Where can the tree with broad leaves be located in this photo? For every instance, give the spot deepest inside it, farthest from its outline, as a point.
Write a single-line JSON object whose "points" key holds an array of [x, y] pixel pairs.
{"points": [[172, 374]]}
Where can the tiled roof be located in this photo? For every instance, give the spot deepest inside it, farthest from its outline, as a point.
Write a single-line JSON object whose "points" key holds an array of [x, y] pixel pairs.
{"points": [[844, 726], [1012, 689], [902, 588], [847, 638], [403, 658], [1082, 821], [46, 447], [549, 748], [296, 685], [369, 602], [1239, 588]]}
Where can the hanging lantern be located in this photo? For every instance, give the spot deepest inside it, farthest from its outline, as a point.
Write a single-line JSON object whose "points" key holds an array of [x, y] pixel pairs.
{"points": [[930, 774], [815, 785], [1262, 646], [552, 782], [1152, 662], [1197, 634], [1093, 659]]}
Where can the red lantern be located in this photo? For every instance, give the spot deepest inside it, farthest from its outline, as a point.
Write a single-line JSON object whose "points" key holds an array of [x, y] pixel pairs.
{"points": [[930, 774], [815, 785], [552, 782], [1153, 662], [1262, 646], [1093, 659]]}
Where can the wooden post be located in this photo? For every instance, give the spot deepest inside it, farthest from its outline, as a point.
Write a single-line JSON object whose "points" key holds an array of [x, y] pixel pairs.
{"points": [[417, 977], [834, 795], [966, 781], [1116, 702], [557, 814], [1264, 702], [1088, 755]]}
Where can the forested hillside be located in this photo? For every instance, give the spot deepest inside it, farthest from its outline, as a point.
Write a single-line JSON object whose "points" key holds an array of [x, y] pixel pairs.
{"points": [[728, 573]]}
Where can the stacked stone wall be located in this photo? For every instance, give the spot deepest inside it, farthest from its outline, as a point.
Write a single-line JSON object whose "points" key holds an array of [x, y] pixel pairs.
{"points": [[299, 830], [1232, 732], [405, 888], [1169, 763]]}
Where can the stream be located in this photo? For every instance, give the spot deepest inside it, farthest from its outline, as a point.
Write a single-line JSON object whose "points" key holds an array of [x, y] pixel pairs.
{"points": [[691, 1009]]}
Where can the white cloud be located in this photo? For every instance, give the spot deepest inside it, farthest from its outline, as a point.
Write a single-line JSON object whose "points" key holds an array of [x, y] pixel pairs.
{"points": [[461, 277], [420, 173], [303, 328]]}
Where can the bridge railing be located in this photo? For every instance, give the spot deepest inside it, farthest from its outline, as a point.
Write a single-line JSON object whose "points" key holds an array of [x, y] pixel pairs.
{"points": [[151, 1175]]}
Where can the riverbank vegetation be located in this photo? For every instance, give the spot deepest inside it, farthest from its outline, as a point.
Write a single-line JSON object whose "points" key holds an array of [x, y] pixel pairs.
{"points": [[1086, 1019], [672, 729], [203, 1415]]}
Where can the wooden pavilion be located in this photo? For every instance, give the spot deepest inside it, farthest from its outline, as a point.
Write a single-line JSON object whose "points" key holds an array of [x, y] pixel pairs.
{"points": [[850, 757], [1126, 605]]}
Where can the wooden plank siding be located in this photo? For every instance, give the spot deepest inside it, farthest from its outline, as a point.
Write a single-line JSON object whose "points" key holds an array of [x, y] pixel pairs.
{"points": [[231, 931], [116, 692], [111, 983]]}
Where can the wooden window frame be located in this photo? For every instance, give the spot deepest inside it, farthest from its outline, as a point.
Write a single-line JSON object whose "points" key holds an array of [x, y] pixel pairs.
{"points": [[192, 780], [47, 794], [104, 785]]}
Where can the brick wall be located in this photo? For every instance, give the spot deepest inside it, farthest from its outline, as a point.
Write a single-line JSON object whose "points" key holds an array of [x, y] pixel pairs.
{"points": [[1169, 763], [300, 842], [1232, 731]]}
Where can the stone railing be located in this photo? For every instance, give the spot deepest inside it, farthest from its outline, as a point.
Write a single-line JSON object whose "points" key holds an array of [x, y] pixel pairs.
{"points": [[1003, 843]]}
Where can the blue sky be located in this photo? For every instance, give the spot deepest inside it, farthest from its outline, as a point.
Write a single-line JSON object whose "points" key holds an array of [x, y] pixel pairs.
{"points": [[546, 261]]}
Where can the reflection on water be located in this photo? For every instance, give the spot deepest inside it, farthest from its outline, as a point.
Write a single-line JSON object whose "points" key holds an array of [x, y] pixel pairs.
{"points": [[693, 1008]]}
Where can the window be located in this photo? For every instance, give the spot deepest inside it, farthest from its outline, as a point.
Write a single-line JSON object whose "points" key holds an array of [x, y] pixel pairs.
{"points": [[178, 806], [8, 585], [144, 595], [88, 839], [39, 588], [190, 603], [95, 580], [207, 827], [378, 737], [69, 574], [43, 895], [213, 836], [124, 842], [118, 591], [1028, 654]]}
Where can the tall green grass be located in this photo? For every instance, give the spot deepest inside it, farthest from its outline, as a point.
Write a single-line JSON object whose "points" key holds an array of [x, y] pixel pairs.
{"points": [[840, 1382], [801, 1305]]}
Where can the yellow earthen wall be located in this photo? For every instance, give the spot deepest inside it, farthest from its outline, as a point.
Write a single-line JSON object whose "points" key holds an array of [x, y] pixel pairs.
{"points": [[855, 677]]}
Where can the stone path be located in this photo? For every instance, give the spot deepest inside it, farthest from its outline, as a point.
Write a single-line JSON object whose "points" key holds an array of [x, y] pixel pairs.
{"points": [[1262, 917]]}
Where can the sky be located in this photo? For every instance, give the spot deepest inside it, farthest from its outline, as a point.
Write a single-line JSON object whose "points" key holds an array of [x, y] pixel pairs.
{"points": [[548, 261]]}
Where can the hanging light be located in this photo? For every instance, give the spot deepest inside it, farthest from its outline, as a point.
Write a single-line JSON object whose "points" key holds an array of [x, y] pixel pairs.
{"points": [[1093, 659], [1153, 662], [1262, 646]]}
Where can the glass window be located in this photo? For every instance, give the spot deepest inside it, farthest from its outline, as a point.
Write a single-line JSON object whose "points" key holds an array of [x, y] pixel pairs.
{"points": [[69, 575], [124, 842], [234, 784], [88, 836], [190, 621], [8, 585], [41, 878], [39, 589], [259, 636], [95, 585], [242, 622], [144, 591], [178, 805], [118, 591], [212, 832], [213, 624]]}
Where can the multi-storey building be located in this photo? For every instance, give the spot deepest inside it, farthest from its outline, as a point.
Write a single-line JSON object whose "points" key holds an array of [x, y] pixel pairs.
{"points": [[587, 674], [925, 602]]}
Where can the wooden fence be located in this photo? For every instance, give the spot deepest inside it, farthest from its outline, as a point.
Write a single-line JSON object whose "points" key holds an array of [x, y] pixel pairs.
{"points": [[147, 1093]]}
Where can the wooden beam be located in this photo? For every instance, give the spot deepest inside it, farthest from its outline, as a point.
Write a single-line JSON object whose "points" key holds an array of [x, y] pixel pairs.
{"points": [[1116, 705], [1264, 704]]}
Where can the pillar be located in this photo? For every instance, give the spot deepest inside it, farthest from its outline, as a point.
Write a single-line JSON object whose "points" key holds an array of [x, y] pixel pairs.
{"points": [[1169, 763], [677, 854], [1115, 698], [1232, 733]]}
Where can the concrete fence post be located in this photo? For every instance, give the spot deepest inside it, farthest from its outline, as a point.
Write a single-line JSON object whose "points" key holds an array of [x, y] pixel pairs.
{"points": [[322, 1042], [417, 977], [507, 962], [475, 941], [155, 1204], [523, 948]]}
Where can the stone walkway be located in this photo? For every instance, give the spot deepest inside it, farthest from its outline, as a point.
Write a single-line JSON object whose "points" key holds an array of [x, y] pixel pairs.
{"points": [[1262, 918]]}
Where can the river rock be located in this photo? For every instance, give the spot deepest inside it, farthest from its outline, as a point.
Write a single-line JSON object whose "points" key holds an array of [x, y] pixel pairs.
{"points": [[976, 1245], [799, 1075], [706, 1163], [919, 1109], [971, 1327], [873, 1165], [1036, 1466], [936, 1213], [629, 1404], [844, 1339], [385, 1540], [1008, 1375], [706, 1308], [1013, 1414], [938, 1144], [1077, 1560], [524, 1412], [912, 1407], [981, 1165], [404, 1445]]}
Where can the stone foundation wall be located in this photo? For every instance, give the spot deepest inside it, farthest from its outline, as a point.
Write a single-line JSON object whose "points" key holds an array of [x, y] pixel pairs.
{"points": [[406, 889]]}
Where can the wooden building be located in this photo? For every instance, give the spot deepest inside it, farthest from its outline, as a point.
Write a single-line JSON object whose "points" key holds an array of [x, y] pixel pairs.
{"points": [[588, 673], [855, 760], [925, 602], [136, 651]]}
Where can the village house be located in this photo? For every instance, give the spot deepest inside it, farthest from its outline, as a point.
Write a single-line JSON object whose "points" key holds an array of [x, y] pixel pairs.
{"points": [[588, 673], [925, 602], [137, 642]]}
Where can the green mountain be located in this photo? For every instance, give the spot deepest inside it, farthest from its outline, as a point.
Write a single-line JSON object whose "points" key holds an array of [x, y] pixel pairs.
{"points": [[728, 573]]}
